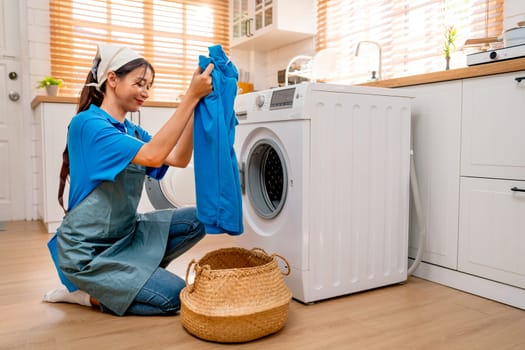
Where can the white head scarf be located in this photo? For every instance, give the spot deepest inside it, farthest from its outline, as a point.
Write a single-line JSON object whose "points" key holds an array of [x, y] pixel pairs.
{"points": [[110, 58]]}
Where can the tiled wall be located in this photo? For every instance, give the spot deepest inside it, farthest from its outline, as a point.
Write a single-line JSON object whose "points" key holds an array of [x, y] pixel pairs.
{"points": [[263, 67], [36, 58], [38, 40]]}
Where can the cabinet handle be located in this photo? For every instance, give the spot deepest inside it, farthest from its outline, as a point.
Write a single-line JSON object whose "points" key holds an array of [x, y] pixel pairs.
{"points": [[249, 27], [519, 79], [245, 23], [516, 189]]}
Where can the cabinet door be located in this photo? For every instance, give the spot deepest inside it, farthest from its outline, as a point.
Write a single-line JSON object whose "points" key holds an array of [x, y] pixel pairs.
{"points": [[263, 14], [493, 142], [53, 120], [492, 230], [436, 121], [239, 18], [264, 25]]}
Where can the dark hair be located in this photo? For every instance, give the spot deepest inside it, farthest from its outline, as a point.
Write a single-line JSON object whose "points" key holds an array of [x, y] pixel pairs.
{"points": [[90, 95]]}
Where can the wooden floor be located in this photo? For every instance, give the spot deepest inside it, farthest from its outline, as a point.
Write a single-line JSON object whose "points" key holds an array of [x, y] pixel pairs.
{"points": [[416, 315]]}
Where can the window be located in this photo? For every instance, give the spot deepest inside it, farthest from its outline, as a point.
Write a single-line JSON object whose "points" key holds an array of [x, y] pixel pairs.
{"points": [[409, 32], [170, 34]]}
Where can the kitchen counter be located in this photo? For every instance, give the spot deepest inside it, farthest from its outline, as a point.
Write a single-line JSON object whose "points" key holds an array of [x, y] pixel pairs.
{"points": [[513, 65], [74, 100]]}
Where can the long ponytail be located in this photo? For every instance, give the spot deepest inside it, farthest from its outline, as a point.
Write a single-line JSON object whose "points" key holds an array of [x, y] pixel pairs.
{"points": [[90, 95]]}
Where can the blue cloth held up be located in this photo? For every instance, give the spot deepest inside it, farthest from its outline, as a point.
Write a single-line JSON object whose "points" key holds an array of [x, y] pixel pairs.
{"points": [[217, 183]]}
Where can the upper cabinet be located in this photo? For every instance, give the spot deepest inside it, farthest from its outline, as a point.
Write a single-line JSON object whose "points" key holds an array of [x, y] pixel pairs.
{"points": [[265, 25]]}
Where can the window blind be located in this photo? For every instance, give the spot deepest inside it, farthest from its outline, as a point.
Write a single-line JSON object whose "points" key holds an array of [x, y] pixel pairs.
{"points": [[169, 34], [411, 33]]}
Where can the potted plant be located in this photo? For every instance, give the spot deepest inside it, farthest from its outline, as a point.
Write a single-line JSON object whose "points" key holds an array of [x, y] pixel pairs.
{"points": [[51, 84], [449, 44]]}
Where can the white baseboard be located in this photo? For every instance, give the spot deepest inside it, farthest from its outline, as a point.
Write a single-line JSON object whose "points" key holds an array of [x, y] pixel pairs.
{"points": [[52, 226], [482, 287]]}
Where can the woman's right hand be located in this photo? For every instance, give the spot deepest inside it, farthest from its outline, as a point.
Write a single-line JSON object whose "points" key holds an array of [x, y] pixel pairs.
{"points": [[201, 82]]}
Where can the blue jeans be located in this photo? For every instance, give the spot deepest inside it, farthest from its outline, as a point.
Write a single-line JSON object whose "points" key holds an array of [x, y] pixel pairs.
{"points": [[160, 293]]}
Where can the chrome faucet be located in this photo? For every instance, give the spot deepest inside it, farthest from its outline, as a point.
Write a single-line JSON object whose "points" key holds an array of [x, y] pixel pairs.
{"points": [[379, 56]]}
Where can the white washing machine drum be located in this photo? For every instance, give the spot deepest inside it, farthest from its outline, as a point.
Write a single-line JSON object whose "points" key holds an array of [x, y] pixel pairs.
{"points": [[175, 190], [266, 178]]}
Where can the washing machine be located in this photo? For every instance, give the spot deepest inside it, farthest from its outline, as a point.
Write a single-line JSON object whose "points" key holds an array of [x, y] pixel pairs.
{"points": [[175, 190], [324, 174]]}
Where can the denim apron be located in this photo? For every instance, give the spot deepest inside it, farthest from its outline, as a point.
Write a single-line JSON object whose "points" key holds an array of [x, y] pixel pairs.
{"points": [[108, 250]]}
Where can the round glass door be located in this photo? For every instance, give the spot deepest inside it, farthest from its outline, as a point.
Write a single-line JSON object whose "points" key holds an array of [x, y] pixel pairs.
{"points": [[267, 178]]}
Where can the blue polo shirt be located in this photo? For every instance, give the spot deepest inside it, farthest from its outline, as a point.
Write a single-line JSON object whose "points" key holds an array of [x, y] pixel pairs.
{"points": [[100, 147]]}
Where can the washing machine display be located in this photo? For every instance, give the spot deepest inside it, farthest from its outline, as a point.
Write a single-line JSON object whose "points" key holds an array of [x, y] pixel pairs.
{"points": [[282, 99], [267, 178]]}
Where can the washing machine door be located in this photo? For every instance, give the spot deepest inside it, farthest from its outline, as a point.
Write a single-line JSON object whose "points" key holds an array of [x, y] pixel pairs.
{"points": [[273, 158], [266, 178], [175, 190]]}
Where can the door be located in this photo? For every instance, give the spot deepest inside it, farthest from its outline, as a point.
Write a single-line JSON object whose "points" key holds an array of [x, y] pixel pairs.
{"points": [[12, 194]]}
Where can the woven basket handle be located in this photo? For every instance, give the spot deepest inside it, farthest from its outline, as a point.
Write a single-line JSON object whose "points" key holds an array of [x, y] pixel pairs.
{"points": [[286, 263], [256, 249], [198, 270], [190, 287]]}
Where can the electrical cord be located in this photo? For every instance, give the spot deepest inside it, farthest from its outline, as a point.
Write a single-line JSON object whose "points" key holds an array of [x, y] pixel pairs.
{"points": [[419, 213]]}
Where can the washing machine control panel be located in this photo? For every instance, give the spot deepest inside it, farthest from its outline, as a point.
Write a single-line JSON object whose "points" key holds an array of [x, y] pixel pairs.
{"points": [[283, 103], [282, 98]]}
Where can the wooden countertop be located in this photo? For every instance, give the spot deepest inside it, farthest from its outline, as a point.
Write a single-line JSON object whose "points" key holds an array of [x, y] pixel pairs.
{"points": [[74, 100], [453, 74], [427, 78]]}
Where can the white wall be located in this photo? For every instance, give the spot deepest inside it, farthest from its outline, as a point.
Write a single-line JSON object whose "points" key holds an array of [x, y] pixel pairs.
{"points": [[514, 13], [263, 67], [35, 56]]}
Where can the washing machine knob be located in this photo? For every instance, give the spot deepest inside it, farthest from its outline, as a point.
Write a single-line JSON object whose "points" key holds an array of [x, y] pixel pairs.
{"points": [[259, 101]]}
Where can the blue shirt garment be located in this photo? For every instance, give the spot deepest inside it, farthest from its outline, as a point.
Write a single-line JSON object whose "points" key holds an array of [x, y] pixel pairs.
{"points": [[100, 147], [217, 184]]}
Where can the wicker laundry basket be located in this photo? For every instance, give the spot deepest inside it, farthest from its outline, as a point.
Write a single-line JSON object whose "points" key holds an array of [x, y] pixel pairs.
{"points": [[238, 295]]}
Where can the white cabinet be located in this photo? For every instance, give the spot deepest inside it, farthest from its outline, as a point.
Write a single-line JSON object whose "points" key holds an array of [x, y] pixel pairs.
{"points": [[52, 120], [469, 154], [436, 123], [493, 139], [492, 207], [150, 119], [265, 25], [492, 232]]}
